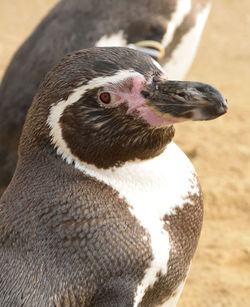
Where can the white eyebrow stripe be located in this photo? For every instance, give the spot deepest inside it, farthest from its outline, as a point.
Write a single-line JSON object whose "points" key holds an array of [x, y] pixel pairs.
{"points": [[120, 76]]}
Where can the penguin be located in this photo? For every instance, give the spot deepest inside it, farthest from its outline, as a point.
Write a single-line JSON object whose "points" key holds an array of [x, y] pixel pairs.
{"points": [[169, 30], [103, 210]]}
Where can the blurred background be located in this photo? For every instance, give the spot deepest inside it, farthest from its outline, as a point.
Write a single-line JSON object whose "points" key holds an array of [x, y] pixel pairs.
{"points": [[220, 149]]}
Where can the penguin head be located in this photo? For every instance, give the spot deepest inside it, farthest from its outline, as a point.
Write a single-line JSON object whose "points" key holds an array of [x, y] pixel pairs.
{"points": [[106, 106]]}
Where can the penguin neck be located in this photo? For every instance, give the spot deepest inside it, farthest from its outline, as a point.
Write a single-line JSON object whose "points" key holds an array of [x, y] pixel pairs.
{"points": [[103, 153]]}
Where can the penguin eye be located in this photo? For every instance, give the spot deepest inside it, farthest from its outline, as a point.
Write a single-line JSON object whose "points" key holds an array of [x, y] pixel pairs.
{"points": [[105, 97], [108, 98]]}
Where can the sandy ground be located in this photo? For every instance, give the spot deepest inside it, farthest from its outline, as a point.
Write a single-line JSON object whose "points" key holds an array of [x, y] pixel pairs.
{"points": [[220, 149]]}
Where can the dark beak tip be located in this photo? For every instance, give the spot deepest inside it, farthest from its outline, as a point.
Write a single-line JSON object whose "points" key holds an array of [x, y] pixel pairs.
{"points": [[222, 112], [216, 111]]}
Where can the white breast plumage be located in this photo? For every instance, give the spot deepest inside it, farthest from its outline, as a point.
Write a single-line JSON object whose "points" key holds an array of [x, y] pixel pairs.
{"points": [[152, 188]]}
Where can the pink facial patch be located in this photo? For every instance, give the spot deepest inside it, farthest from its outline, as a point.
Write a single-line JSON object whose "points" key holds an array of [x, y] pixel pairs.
{"points": [[164, 76], [151, 117], [130, 93], [135, 98], [136, 102]]}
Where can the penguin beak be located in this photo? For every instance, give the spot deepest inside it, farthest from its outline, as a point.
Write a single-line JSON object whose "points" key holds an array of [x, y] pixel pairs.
{"points": [[182, 100]]}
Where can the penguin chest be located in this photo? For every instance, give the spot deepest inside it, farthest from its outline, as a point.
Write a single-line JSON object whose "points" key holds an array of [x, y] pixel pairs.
{"points": [[155, 190]]}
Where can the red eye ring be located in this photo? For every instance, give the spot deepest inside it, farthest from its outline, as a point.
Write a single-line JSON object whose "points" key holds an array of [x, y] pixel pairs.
{"points": [[105, 97]]}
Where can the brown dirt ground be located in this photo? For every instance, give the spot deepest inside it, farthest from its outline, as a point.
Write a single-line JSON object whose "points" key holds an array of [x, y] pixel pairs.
{"points": [[220, 149]]}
